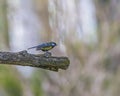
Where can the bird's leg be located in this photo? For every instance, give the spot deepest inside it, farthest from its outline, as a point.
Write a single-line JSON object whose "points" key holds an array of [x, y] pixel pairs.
{"points": [[47, 54]]}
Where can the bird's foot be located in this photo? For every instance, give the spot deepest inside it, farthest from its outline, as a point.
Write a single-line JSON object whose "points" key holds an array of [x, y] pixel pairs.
{"points": [[47, 54]]}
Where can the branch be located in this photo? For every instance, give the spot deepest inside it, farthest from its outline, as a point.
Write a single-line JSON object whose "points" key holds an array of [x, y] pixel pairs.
{"points": [[41, 61]]}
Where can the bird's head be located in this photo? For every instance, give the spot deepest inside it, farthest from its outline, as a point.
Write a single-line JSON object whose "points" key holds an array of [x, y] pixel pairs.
{"points": [[53, 44]]}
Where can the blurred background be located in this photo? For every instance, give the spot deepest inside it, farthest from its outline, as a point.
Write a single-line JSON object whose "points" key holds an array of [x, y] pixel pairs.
{"points": [[86, 31]]}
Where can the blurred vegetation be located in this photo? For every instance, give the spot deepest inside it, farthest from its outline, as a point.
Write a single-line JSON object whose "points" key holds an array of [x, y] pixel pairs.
{"points": [[3, 25], [36, 80], [9, 82], [94, 69]]}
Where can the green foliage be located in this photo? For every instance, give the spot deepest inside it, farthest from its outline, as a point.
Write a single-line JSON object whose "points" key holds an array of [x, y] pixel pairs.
{"points": [[9, 81], [12, 87], [36, 85]]}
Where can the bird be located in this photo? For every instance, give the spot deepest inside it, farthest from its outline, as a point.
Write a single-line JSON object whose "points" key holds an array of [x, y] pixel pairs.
{"points": [[45, 47]]}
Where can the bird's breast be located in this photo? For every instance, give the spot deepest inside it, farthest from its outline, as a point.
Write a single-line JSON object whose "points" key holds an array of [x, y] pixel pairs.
{"points": [[46, 48]]}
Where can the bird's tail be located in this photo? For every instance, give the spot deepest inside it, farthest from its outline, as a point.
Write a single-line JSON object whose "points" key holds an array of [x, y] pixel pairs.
{"points": [[31, 47]]}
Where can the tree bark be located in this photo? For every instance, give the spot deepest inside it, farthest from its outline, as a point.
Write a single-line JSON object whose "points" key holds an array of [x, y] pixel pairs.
{"points": [[23, 58]]}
